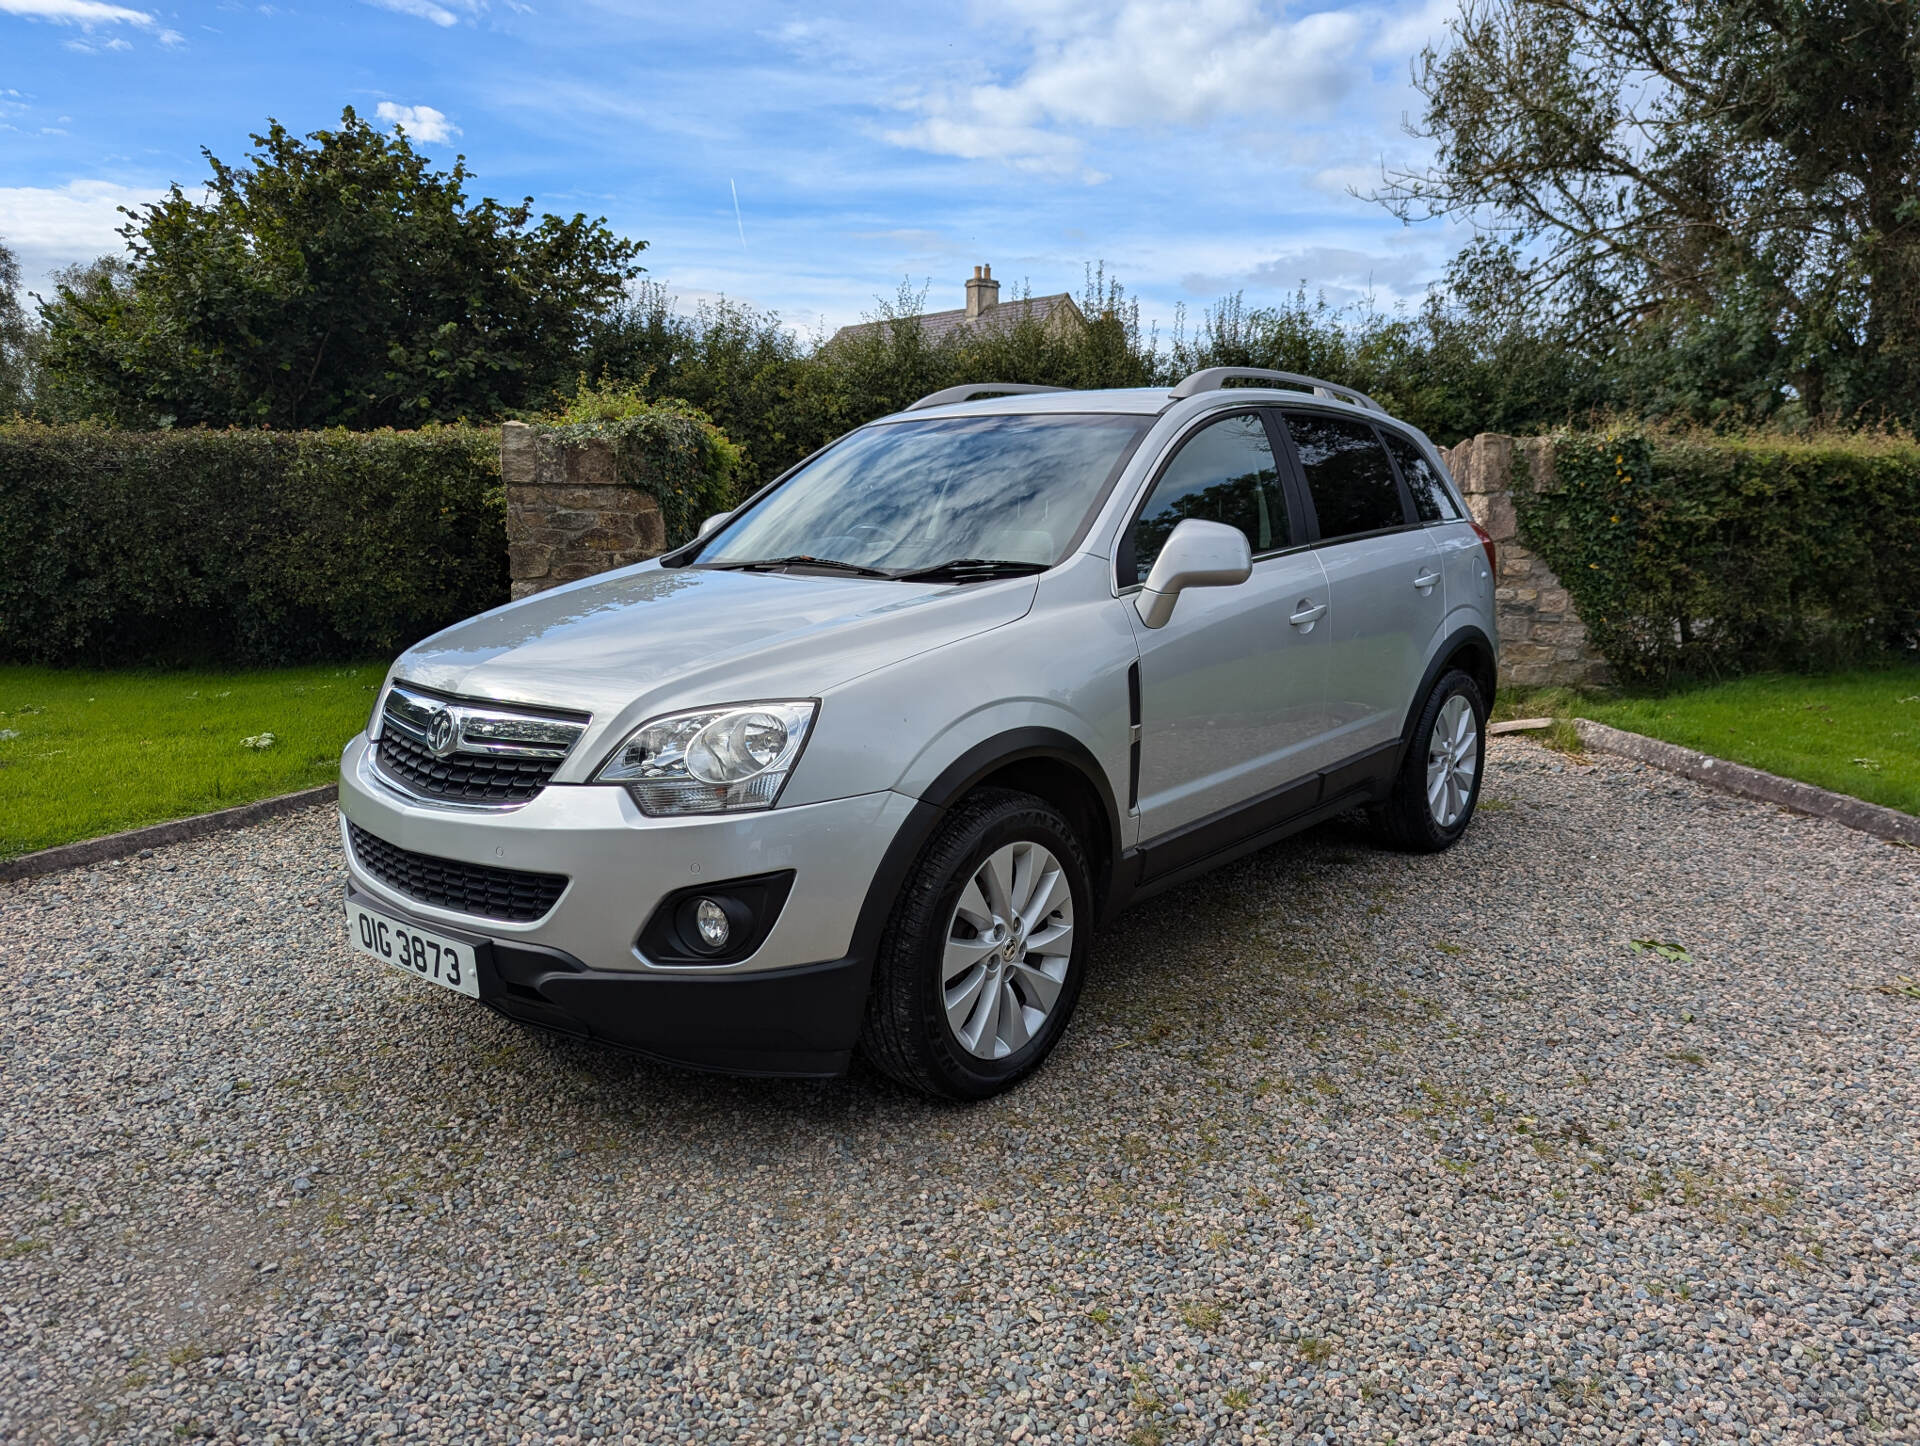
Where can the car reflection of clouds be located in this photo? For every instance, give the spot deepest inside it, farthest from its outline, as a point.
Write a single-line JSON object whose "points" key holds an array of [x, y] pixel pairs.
{"points": [[910, 494], [536, 616]]}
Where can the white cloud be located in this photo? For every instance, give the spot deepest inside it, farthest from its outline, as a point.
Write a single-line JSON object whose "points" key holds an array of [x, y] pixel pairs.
{"points": [[1344, 266], [91, 15], [421, 122], [87, 45], [1146, 63], [78, 12], [1404, 35], [442, 15], [47, 227]]}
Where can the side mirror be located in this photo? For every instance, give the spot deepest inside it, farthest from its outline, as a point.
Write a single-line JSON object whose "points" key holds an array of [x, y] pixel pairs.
{"points": [[711, 523], [1198, 554]]}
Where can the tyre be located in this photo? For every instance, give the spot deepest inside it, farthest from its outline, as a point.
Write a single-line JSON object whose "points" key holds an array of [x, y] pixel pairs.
{"points": [[981, 962], [1438, 784]]}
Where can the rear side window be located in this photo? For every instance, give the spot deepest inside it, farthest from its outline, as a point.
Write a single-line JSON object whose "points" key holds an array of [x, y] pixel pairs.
{"points": [[1224, 472], [1348, 475], [1430, 496]]}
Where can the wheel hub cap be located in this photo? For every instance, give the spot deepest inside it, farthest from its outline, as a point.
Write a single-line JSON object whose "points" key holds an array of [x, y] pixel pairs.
{"points": [[1453, 761], [1007, 948]]}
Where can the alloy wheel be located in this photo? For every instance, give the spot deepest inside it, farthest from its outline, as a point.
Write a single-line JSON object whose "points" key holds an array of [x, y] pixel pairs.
{"points": [[1008, 945], [1453, 760]]}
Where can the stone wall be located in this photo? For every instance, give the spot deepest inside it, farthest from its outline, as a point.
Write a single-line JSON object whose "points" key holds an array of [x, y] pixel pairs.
{"points": [[1543, 643], [568, 514]]}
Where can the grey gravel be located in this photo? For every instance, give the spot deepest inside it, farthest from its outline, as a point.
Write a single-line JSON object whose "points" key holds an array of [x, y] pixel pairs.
{"points": [[1342, 1146]]}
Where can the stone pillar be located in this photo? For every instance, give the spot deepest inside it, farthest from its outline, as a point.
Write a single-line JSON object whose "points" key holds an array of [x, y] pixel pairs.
{"points": [[568, 515], [1542, 641]]}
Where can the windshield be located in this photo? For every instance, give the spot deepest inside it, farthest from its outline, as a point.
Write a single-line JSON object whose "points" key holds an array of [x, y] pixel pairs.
{"points": [[902, 496]]}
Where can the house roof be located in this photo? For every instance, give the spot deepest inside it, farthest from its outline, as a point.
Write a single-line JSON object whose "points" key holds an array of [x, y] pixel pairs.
{"points": [[939, 325]]}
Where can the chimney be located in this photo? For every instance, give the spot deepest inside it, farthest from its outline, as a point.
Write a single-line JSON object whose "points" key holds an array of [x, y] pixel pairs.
{"points": [[983, 292]]}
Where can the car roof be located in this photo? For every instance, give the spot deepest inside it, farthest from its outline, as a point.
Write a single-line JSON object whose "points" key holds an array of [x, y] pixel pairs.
{"points": [[1144, 401], [1150, 402], [1141, 401]]}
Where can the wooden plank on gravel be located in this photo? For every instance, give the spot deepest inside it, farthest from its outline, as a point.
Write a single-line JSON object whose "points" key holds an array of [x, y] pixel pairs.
{"points": [[1518, 725], [179, 830], [1737, 778]]}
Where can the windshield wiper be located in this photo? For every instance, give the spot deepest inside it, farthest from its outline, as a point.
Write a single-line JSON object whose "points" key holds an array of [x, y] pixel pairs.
{"points": [[801, 559], [969, 569]]}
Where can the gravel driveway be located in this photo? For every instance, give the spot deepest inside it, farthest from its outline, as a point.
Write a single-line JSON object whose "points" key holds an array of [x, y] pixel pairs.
{"points": [[1343, 1145]]}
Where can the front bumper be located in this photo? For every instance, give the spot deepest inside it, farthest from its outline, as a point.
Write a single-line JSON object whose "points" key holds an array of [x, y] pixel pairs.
{"points": [[620, 864], [793, 1006], [800, 1021]]}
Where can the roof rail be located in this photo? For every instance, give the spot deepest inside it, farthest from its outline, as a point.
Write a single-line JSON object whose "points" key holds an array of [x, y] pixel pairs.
{"points": [[1214, 378], [967, 393]]}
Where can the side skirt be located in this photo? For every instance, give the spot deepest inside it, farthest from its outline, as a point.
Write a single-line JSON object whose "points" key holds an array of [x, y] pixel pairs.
{"points": [[1208, 843]]}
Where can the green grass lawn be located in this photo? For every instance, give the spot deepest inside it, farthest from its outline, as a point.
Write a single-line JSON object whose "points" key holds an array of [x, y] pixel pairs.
{"points": [[1855, 733], [90, 753]]}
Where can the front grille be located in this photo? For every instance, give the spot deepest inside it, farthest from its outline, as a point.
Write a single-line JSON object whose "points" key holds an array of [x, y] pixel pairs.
{"points": [[488, 893], [463, 777]]}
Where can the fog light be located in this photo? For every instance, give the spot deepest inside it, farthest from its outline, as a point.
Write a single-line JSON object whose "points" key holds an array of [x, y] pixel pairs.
{"points": [[719, 921], [713, 925]]}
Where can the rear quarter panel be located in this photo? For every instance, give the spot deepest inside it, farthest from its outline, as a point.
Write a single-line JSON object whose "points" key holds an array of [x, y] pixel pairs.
{"points": [[1466, 580]]}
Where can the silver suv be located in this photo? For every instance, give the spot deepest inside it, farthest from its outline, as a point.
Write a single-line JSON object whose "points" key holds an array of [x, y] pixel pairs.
{"points": [[862, 765]]}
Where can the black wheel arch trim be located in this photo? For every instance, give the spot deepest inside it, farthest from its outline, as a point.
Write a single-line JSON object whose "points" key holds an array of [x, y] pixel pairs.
{"points": [[954, 782], [1017, 745], [1443, 659]]}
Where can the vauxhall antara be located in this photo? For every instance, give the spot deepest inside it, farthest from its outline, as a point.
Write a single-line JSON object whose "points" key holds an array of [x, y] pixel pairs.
{"points": [[861, 766]]}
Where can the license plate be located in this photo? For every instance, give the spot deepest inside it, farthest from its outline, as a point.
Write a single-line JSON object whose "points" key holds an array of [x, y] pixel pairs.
{"points": [[424, 955]]}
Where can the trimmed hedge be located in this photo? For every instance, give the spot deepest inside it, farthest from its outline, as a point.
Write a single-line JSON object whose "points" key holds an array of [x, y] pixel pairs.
{"points": [[243, 547], [1709, 556]]}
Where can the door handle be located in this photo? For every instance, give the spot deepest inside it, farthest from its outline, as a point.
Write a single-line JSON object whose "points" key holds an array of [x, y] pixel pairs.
{"points": [[1306, 613], [1426, 580]]}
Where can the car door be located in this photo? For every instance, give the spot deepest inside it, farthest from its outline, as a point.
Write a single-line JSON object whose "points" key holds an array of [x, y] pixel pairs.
{"points": [[1385, 601], [1462, 558], [1230, 688]]}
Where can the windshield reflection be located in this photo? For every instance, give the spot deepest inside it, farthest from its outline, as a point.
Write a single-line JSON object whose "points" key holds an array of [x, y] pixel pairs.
{"points": [[902, 495]]}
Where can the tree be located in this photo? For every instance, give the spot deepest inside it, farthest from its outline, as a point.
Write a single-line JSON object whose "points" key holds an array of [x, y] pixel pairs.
{"points": [[73, 395], [1725, 191], [16, 339], [341, 282]]}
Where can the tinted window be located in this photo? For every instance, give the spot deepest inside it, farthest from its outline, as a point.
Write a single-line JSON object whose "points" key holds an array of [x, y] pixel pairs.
{"points": [[1348, 474], [1223, 473], [912, 494], [1430, 497]]}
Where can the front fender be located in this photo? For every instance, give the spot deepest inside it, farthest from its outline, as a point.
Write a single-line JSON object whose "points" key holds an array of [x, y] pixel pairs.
{"points": [[1061, 668]]}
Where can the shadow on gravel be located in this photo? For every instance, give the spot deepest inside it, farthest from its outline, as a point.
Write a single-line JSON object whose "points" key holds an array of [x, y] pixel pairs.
{"points": [[1231, 959]]}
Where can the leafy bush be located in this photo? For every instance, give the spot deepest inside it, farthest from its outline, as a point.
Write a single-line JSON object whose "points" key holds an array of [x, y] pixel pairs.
{"points": [[243, 547], [1692, 556], [668, 449]]}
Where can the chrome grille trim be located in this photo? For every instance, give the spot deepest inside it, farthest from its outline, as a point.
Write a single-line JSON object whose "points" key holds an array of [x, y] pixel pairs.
{"points": [[470, 753], [484, 727]]}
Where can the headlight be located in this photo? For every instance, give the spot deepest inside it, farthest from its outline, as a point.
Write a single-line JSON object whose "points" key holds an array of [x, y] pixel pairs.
{"points": [[716, 760]]}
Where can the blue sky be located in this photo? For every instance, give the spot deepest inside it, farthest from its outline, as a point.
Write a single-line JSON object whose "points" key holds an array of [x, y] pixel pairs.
{"points": [[1197, 147]]}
